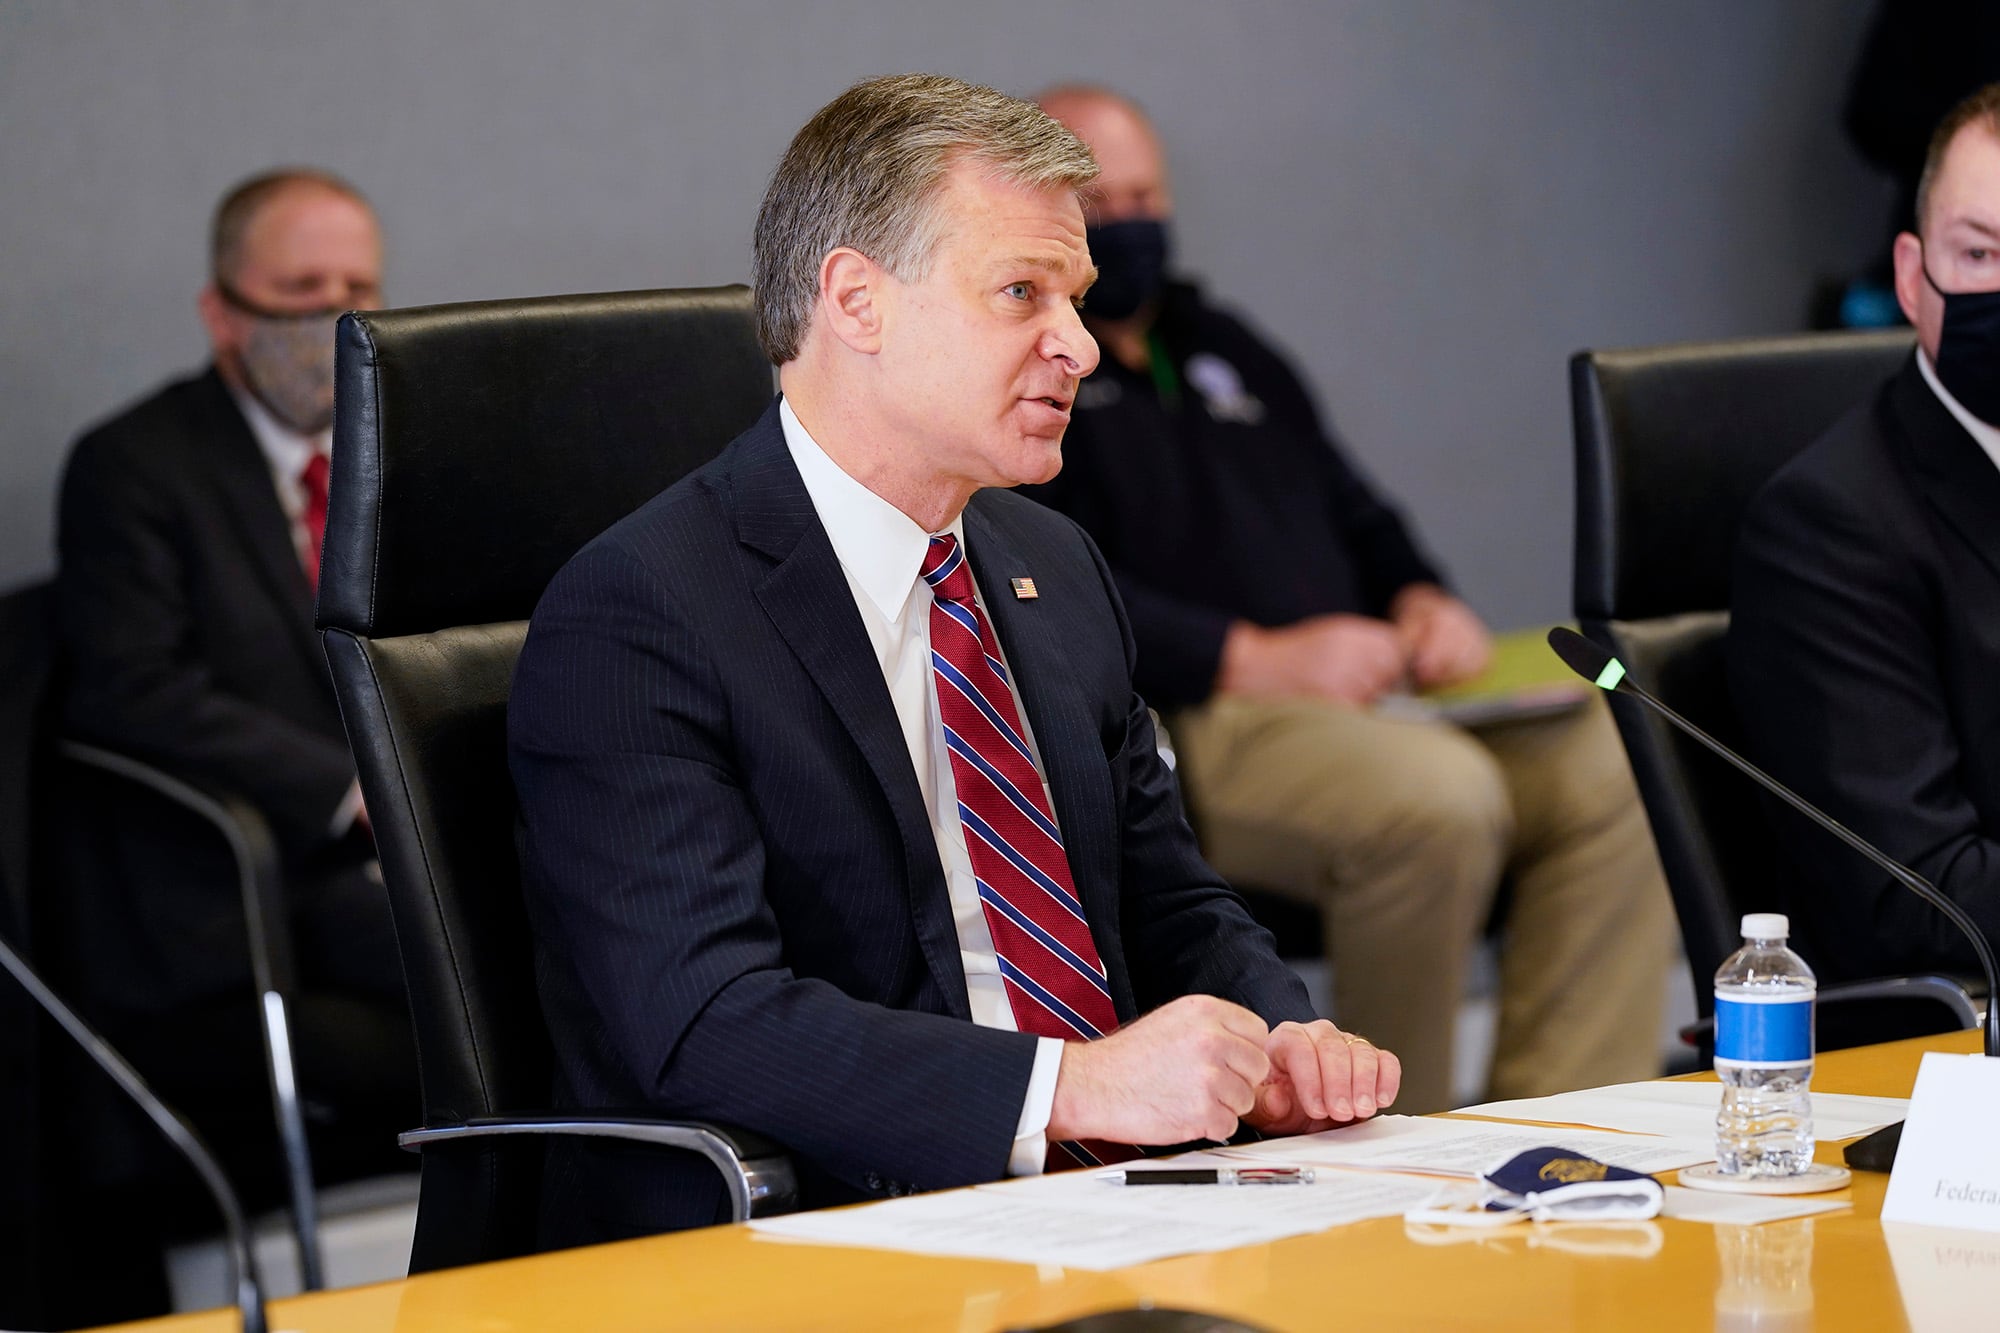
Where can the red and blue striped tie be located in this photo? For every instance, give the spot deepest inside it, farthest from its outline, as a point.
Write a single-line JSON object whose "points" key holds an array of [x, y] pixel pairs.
{"points": [[1054, 979]]}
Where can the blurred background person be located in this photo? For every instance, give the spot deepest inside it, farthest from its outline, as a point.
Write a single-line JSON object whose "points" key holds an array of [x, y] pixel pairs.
{"points": [[1277, 599], [189, 529]]}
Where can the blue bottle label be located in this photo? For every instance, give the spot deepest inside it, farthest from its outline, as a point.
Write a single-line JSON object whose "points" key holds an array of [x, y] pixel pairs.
{"points": [[1774, 1030]]}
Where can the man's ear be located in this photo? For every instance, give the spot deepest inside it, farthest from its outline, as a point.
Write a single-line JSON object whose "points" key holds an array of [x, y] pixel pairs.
{"points": [[1908, 258], [1909, 261], [215, 319], [851, 291]]}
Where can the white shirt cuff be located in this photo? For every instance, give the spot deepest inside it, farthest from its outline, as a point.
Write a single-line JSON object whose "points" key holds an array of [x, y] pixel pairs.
{"points": [[1031, 1134], [350, 807]]}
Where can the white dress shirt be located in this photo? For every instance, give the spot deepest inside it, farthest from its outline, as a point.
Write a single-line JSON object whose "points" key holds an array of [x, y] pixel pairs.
{"points": [[286, 453], [1985, 433], [881, 551]]}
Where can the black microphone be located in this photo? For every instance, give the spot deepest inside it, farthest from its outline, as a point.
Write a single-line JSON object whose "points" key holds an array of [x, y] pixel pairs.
{"points": [[249, 1291], [1606, 672], [1874, 1152]]}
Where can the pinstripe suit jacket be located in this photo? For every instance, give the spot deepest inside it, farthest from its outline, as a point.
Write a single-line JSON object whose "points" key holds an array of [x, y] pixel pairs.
{"points": [[737, 896]]}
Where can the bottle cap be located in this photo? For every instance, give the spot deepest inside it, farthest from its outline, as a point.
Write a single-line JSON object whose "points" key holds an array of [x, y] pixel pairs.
{"points": [[1766, 926]]}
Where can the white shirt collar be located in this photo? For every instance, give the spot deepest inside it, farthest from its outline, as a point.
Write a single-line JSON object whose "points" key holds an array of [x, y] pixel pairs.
{"points": [[286, 452], [881, 548], [1986, 435]]}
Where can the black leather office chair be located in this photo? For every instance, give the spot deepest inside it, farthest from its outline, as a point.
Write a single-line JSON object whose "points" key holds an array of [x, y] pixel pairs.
{"points": [[1671, 444], [477, 448], [80, 1144]]}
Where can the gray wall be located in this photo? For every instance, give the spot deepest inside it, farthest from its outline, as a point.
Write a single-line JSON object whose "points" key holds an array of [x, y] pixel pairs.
{"points": [[1431, 202]]}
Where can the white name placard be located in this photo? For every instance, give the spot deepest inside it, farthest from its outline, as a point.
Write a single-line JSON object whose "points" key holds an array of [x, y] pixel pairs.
{"points": [[1948, 1165]]}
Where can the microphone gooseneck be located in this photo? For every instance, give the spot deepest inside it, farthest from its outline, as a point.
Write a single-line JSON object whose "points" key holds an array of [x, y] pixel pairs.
{"points": [[249, 1291], [1596, 665]]}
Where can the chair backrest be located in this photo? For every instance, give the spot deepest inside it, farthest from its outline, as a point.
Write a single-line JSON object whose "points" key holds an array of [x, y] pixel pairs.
{"points": [[478, 447], [1671, 444]]}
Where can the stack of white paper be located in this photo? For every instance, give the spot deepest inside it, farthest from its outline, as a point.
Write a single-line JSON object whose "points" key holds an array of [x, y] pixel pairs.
{"points": [[1080, 1219], [1467, 1148], [1687, 1110]]}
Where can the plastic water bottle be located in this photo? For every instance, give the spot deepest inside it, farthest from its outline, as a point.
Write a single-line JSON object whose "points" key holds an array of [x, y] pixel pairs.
{"points": [[1764, 1053]]}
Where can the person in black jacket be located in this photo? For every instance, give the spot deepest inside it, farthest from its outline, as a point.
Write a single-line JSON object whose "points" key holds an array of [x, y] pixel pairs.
{"points": [[1864, 643], [1277, 598], [188, 533]]}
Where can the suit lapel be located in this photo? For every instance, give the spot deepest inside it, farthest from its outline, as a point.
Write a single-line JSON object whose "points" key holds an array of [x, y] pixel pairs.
{"points": [[1956, 476], [1064, 721], [808, 600], [242, 476]]}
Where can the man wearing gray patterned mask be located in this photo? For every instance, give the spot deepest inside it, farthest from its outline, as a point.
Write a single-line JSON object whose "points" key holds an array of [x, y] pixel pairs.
{"points": [[286, 360], [189, 530]]}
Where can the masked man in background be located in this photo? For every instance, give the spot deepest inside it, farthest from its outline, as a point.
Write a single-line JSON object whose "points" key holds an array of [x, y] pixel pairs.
{"points": [[189, 530], [1864, 638], [1276, 599]]}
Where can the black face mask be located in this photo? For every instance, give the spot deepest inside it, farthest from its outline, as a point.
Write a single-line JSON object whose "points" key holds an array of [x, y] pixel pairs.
{"points": [[1131, 259], [1968, 358]]}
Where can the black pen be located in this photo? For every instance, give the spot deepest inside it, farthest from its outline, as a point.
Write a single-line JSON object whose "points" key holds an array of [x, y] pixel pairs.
{"points": [[1215, 1175]]}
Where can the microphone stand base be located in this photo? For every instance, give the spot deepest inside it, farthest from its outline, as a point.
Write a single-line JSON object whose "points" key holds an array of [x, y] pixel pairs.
{"points": [[1875, 1152]]}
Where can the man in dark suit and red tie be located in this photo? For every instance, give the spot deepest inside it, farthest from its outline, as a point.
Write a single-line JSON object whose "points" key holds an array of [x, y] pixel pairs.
{"points": [[188, 539], [843, 822]]}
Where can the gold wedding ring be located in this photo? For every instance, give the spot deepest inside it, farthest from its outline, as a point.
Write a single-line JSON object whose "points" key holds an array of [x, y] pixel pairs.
{"points": [[1351, 1038]]}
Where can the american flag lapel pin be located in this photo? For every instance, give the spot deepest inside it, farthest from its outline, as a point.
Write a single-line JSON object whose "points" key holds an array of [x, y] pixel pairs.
{"points": [[1024, 589]]}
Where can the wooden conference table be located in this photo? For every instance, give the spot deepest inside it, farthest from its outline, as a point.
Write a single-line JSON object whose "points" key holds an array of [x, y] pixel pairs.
{"points": [[1832, 1271]]}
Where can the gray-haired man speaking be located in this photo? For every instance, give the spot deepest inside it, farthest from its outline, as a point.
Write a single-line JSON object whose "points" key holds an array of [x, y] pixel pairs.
{"points": [[844, 823]]}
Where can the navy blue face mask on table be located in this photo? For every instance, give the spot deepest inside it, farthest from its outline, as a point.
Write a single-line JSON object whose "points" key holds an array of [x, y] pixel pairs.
{"points": [[1131, 259], [1548, 1184], [1968, 357]]}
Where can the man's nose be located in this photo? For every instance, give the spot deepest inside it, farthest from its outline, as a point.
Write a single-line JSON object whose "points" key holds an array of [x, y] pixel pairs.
{"points": [[1071, 343]]}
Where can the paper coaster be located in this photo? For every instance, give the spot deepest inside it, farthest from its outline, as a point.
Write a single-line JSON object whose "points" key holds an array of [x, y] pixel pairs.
{"points": [[1815, 1179]]}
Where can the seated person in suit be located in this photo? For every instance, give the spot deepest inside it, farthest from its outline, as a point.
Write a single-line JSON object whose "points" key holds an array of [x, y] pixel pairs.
{"points": [[843, 822], [1864, 641], [1276, 597], [188, 538]]}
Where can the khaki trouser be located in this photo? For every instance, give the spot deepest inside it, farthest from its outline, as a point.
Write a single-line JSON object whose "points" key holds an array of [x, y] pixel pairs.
{"points": [[1401, 831]]}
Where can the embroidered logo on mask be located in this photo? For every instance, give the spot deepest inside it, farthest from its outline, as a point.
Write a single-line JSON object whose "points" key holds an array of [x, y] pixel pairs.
{"points": [[1570, 1170]]}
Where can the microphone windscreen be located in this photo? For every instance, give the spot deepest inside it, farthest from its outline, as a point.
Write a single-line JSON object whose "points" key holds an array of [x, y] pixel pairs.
{"points": [[1580, 654]]}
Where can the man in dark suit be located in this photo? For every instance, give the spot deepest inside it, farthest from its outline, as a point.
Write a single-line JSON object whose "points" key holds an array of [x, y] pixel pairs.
{"points": [[1864, 645], [825, 843], [188, 534]]}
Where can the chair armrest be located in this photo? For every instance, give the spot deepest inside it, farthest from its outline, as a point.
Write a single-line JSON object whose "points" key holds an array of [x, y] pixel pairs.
{"points": [[759, 1174], [1957, 994], [267, 920], [252, 846]]}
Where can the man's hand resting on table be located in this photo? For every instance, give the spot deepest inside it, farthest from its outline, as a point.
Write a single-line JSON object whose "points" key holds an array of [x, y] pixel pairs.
{"points": [[1196, 1067], [1321, 1077]]}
